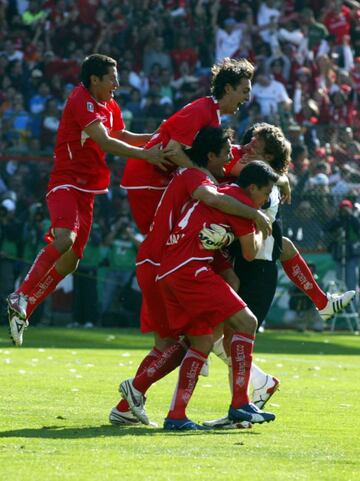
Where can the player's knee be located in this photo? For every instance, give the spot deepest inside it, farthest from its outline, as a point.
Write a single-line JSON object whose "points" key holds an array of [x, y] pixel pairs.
{"points": [[202, 343], [243, 320], [288, 249], [64, 240]]}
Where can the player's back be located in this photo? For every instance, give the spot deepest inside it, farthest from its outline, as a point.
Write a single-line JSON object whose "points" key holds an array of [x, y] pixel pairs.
{"points": [[182, 126], [173, 202]]}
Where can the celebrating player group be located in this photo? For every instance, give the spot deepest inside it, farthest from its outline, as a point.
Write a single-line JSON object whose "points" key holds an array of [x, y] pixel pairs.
{"points": [[209, 213]]}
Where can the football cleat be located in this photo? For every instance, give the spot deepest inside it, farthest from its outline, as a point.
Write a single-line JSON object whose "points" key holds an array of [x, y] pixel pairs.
{"points": [[182, 425], [335, 304], [122, 418], [226, 423], [250, 412], [17, 327], [135, 399], [18, 302], [261, 396]]}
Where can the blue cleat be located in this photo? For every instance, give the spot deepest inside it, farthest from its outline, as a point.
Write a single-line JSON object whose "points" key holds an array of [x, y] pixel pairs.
{"points": [[182, 425], [250, 412]]}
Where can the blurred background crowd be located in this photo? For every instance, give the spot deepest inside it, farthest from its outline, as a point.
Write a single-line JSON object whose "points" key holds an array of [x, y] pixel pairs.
{"points": [[307, 57]]}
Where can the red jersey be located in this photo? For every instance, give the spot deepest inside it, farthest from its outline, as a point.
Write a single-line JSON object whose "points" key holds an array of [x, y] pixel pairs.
{"points": [[79, 161], [183, 127], [338, 24], [172, 204], [184, 246]]}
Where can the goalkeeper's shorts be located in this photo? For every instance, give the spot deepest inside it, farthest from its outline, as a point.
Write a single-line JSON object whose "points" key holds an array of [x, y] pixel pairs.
{"points": [[197, 299]]}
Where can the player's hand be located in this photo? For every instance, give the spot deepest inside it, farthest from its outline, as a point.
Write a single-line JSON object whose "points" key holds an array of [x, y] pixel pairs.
{"points": [[263, 223], [285, 190], [173, 149], [215, 237], [156, 157]]}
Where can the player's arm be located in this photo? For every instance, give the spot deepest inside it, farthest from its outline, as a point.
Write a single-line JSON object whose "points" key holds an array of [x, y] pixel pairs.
{"points": [[250, 245], [132, 138], [210, 196], [284, 185], [98, 133]]}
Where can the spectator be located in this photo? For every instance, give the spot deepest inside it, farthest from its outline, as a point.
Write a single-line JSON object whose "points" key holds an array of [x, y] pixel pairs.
{"points": [[122, 242], [269, 94], [345, 243]]}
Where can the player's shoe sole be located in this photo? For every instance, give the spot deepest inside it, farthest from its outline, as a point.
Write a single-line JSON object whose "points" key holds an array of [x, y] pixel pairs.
{"points": [[262, 395], [17, 327]]}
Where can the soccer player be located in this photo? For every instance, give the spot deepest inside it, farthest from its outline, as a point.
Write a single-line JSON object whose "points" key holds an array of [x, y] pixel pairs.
{"points": [[145, 183], [211, 150], [267, 142], [197, 300], [91, 125]]}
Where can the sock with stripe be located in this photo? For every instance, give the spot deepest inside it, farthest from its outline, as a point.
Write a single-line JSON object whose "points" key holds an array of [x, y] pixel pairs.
{"points": [[169, 360], [300, 274], [43, 289], [44, 261], [241, 358], [152, 356], [188, 376]]}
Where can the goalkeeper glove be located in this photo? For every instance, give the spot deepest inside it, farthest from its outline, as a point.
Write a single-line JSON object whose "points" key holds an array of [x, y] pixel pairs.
{"points": [[215, 237]]}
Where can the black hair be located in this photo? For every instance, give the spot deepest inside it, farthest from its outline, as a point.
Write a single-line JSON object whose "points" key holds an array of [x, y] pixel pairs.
{"points": [[229, 71], [258, 173], [208, 139], [95, 64]]}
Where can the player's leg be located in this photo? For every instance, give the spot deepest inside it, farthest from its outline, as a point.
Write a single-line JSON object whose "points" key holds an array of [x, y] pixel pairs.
{"points": [[166, 354], [244, 325], [71, 219], [195, 357], [300, 274]]}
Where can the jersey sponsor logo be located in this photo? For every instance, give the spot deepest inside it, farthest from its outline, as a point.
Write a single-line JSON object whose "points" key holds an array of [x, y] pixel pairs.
{"points": [[90, 106]]}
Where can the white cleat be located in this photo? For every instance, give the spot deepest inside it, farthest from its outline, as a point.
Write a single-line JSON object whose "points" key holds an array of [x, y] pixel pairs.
{"points": [[122, 418], [18, 302], [226, 423], [17, 327], [135, 399], [261, 396], [335, 304]]}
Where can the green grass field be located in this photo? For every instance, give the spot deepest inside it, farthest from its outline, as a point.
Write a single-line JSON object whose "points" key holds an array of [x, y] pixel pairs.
{"points": [[56, 393]]}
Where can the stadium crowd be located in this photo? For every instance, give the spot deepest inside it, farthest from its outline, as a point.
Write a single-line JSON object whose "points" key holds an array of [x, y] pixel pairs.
{"points": [[307, 80]]}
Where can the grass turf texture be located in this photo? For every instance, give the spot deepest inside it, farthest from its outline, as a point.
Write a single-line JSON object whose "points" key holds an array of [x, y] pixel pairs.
{"points": [[56, 393]]}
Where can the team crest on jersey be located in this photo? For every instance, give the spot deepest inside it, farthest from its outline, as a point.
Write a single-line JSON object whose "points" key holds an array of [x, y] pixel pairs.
{"points": [[90, 106]]}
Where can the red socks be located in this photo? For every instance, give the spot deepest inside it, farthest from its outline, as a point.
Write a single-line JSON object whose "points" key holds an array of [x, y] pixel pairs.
{"points": [[169, 360], [188, 376], [43, 289], [241, 359], [299, 273], [42, 264], [145, 363]]}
